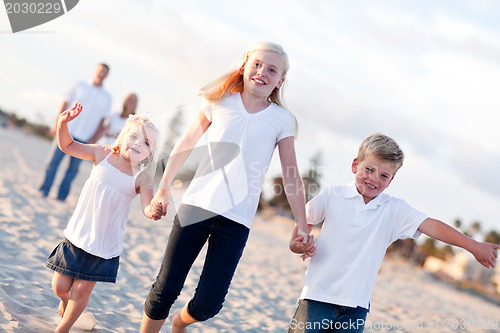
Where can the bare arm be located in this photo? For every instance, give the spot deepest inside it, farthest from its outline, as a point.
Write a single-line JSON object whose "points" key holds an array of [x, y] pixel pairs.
{"points": [[179, 155], [65, 140], [292, 183], [485, 253], [151, 209]]}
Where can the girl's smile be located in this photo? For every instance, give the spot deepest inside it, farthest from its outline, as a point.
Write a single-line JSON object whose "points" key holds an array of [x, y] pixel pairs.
{"points": [[259, 81], [136, 145], [263, 72]]}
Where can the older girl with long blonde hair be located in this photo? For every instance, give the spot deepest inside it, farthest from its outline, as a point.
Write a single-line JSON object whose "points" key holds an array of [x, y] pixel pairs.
{"points": [[244, 119]]}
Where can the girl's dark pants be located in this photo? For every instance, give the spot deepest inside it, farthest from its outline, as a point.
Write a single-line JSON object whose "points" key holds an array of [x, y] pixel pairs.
{"points": [[191, 229]]}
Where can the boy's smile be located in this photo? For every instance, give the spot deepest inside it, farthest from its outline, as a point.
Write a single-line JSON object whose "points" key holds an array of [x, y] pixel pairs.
{"points": [[373, 176]]}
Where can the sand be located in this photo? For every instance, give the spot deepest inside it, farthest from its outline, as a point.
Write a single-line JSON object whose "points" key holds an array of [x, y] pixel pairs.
{"points": [[265, 287]]}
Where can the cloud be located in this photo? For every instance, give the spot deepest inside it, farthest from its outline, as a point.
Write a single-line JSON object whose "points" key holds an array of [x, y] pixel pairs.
{"points": [[477, 167]]}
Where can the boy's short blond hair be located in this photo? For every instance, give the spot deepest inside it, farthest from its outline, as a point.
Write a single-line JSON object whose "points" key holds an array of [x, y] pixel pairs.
{"points": [[383, 147]]}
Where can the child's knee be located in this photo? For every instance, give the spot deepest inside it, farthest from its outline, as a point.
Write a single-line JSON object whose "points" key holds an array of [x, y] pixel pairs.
{"points": [[60, 290], [82, 289], [61, 284]]}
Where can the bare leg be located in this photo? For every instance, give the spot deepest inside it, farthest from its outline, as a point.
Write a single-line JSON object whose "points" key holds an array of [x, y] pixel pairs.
{"points": [[181, 319], [61, 285], [78, 300], [150, 325]]}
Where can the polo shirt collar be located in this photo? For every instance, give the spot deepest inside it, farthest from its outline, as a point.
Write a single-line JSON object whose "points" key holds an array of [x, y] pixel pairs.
{"points": [[351, 192]]}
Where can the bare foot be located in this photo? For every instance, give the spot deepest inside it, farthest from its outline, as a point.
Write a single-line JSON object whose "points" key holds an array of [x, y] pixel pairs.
{"points": [[178, 325], [62, 307]]}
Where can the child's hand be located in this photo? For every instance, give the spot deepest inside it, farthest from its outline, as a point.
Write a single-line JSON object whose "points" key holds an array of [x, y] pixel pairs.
{"points": [[162, 197], [486, 254], [306, 255], [70, 114], [156, 210], [307, 249], [304, 234]]}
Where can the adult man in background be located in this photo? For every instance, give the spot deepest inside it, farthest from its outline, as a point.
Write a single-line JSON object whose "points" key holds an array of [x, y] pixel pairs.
{"points": [[86, 128]]}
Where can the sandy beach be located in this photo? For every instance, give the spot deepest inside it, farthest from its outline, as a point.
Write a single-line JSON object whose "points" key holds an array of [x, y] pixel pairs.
{"points": [[265, 287]]}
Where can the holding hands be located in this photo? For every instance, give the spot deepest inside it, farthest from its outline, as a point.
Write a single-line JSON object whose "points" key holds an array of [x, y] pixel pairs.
{"points": [[161, 197], [154, 210], [302, 243]]}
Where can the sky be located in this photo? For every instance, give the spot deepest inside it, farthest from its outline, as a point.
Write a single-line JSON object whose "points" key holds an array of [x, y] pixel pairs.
{"points": [[424, 72]]}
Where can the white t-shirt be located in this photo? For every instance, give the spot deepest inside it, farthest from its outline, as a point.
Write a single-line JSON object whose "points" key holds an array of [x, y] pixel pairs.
{"points": [[115, 125], [96, 102], [352, 243], [240, 147]]}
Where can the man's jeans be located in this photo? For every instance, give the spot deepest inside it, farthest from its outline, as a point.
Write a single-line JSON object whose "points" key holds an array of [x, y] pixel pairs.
{"points": [[50, 173]]}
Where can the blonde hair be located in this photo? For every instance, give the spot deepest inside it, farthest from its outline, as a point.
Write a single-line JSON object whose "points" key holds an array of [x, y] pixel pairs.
{"points": [[382, 147], [231, 82], [135, 121]]}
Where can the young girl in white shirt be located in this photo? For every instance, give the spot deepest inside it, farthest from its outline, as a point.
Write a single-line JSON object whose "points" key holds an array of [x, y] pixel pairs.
{"points": [[245, 121], [93, 237]]}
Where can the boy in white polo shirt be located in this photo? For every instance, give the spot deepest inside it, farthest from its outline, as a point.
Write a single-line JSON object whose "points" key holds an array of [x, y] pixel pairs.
{"points": [[360, 222]]}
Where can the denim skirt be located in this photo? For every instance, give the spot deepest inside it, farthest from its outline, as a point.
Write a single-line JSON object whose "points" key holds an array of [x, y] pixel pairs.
{"points": [[70, 260]]}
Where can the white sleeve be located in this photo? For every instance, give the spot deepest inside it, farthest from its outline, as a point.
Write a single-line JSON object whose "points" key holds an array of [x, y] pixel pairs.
{"points": [[289, 127], [206, 107], [407, 221], [316, 207]]}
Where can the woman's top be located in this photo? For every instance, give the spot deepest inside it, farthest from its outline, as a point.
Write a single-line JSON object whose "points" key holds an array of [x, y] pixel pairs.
{"points": [[115, 125]]}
